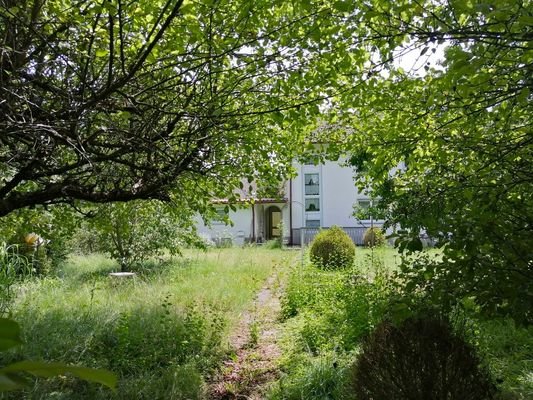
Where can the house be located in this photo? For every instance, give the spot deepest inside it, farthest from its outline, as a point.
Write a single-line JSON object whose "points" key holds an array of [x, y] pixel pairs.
{"points": [[319, 196]]}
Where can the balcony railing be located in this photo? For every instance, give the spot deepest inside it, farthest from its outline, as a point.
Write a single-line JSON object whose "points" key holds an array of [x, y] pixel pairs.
{"points": [[308, 234]]}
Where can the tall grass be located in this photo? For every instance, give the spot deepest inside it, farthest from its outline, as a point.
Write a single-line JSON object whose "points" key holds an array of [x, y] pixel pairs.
{"points": [[328, 312], [161, 331]]}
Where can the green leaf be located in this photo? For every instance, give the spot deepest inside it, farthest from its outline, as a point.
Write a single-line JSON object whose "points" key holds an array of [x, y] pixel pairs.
{"points": [[523, 95], [526, 19], [9, 334], [100, 53], [415, 245], [47, 370], [186, 9], [343, 6], [10, 382]]}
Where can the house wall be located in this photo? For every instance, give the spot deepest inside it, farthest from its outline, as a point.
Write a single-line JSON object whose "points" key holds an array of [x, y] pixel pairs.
{"points": [[242, 230], [239, 233], [338, 194], [337, 197]]}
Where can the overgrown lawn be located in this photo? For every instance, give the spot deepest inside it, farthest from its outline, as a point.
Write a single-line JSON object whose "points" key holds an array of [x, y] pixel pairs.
{"points": [[328, 312], [162, 331]]}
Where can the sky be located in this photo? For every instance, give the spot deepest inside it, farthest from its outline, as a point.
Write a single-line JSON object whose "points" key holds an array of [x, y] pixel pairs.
{"points": [[412, 62]]}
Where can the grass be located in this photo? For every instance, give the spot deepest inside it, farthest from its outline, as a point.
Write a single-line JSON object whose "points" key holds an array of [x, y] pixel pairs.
{"points": [[327, 313], [508, 352], [162, 332]]}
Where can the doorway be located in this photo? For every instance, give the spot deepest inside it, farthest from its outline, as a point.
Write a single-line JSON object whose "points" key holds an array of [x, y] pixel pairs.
{"points": [[273, 222]]}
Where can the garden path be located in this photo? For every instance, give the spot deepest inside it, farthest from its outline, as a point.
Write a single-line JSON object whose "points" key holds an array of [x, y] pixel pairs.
{"points": [[253, 365]]}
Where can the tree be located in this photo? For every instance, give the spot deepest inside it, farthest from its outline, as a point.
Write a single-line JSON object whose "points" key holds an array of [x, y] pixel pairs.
{"points": [[115, 101], [135, 231], [463, 132]]}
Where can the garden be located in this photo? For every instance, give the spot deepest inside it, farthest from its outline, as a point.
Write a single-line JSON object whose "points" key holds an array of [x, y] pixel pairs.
{"points": [[127, 125], [166, 331], [162, 332], [350, 332]]}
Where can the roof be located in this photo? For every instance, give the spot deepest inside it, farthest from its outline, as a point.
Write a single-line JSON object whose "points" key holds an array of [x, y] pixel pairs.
{"points": [[265, 200]]}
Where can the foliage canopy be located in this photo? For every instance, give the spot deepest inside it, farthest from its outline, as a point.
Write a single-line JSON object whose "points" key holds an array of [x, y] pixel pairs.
{"points": [[116, 100], [461, 130], [133, 232]]}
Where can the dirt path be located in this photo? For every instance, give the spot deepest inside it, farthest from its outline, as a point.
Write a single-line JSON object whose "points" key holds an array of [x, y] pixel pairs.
{"points": [[253, 365]]}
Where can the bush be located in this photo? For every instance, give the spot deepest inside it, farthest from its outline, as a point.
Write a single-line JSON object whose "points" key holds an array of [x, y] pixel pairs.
{"points": [[420, 359], [133, 232], [373, 237], [13, 267], [273, 244], [332, 248], [41, 236], [86, 240]]}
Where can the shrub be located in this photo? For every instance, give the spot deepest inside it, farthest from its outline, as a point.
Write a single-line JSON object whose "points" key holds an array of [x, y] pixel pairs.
{"points": [[420, 359], [86, 240], [41, 235], [273, 244], [332, 248], [133, 232], [13, 266], [373, 237]]}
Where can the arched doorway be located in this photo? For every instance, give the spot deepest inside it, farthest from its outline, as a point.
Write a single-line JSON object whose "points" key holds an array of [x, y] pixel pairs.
{"points": [[273, 222]]}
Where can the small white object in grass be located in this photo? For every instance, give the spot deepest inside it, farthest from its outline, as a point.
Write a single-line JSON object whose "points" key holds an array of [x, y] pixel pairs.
{"points": [[122, 274]]}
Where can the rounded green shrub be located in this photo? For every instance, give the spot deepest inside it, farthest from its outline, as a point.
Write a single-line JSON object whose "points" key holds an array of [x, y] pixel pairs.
{"points": [[374, 237], [420, 359], [332, 248]]}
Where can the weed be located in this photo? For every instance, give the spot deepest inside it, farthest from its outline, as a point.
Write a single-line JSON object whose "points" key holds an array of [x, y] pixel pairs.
{"points": [[254, 333], [162, 335], [326, 314], [320, 378]]}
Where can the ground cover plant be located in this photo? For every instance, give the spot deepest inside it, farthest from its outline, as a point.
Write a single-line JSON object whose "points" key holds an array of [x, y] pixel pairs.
{"points": [[329, 313], [326, 314], [162, 332]]}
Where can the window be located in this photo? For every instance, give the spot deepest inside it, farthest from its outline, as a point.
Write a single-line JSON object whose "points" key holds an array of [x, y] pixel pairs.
{"points": [[363, 204], [312, 204], [312, 199], [219, 218], [363, 209], [311, 184], [312, 223]]}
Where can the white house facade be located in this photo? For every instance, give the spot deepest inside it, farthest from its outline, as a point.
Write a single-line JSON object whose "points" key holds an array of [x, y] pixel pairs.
{"points": [[319, 196]]}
